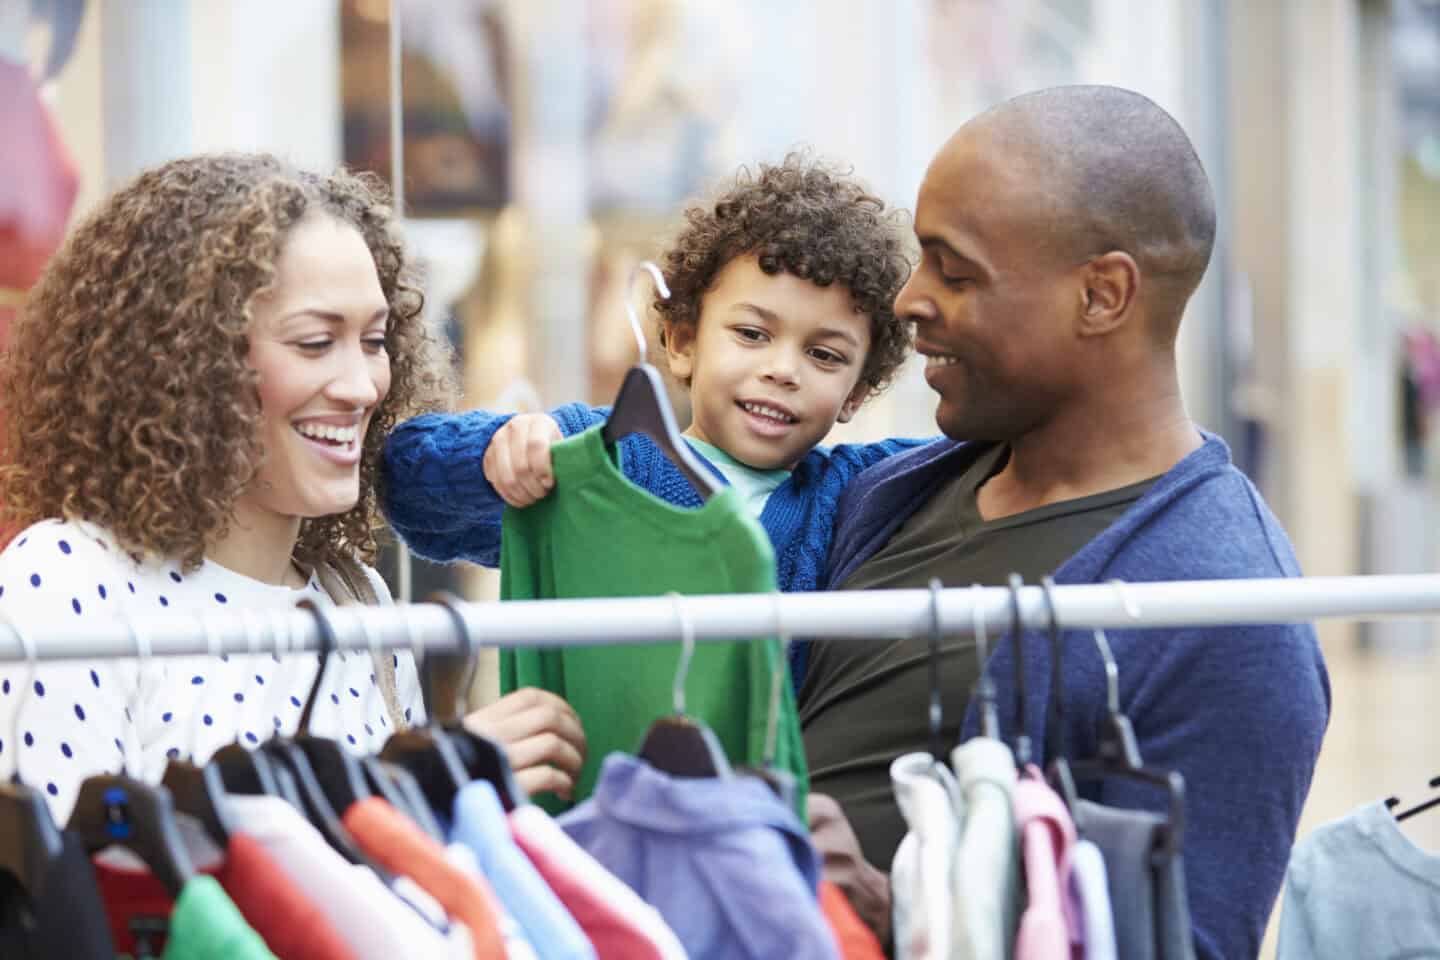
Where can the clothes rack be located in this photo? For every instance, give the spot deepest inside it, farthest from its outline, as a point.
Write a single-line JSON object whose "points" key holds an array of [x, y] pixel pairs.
{"points": [[857, 614]]}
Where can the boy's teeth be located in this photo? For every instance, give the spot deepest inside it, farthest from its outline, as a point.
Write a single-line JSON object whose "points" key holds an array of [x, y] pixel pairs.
{"points": [[934, 361], [770, 412]]}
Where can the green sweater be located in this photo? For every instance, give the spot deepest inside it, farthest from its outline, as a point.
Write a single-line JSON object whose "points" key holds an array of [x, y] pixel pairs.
{"points": [[598, 535]]}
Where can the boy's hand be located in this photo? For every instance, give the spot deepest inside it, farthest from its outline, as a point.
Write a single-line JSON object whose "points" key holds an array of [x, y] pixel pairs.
{"points": [[517, 462]]}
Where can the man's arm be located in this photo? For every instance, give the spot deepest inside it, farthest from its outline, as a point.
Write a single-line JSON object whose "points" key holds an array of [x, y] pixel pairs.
{"points": [[434, 490]]}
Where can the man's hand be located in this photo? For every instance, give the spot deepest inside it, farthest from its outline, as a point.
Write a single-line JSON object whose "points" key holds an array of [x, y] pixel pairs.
{"points": [[845, 866], [517, 462], [542, 738]]}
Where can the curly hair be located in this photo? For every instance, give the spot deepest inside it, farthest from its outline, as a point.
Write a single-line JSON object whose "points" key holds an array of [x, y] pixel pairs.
{"points": [[128, 396], [807, 218]]}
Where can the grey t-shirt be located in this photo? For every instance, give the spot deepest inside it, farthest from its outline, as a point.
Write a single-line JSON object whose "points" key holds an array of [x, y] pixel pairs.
{"points": [[864, 703]]}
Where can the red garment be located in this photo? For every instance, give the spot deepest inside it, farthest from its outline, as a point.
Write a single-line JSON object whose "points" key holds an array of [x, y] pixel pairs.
{"points": [[856, 940], [399, 846], [38, 183], [292, 926]]}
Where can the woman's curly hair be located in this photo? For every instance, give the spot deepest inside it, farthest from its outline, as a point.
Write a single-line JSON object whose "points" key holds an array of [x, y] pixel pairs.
{"points": [[128, 398], [809, 219]]}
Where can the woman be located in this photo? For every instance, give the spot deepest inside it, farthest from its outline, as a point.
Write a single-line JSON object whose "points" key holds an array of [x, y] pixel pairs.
{"points": [[197, 395]]}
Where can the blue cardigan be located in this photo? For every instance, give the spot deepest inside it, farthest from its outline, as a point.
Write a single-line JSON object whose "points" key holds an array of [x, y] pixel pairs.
{"points": [[436, 496], [1239, 711]]}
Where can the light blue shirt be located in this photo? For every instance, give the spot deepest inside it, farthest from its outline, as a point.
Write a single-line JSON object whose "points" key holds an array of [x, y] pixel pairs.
{"points": [[1358, 887], [754, 485], [481, 826]]}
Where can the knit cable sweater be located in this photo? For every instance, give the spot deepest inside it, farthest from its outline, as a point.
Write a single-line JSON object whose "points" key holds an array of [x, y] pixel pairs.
{"points": [[439, 502]]}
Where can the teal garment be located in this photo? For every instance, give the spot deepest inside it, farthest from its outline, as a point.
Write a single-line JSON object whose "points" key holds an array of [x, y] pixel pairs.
{"points": [[753, 484], [206, 925], [599, 535]]}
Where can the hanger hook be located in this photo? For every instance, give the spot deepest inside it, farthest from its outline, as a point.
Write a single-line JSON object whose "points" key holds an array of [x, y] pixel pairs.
{"points": [[32, 663], [1017, 630], [466, 644], [687, 652], [143, 653], [636, 326], [328, 642], [1055, 714], [984, 684], [777, 678], [937, 710], [1127, 599], [1112, 671]]}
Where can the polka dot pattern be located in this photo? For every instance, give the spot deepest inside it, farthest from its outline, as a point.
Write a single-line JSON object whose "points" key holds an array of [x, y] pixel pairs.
{"points": [[76, 718]]}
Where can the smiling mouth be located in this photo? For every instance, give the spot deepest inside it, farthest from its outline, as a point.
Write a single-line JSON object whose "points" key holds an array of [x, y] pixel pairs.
{"points": [[768, 412], [337, 438], [940, 360]]}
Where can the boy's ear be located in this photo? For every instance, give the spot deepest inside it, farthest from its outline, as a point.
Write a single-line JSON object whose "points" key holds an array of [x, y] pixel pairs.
{"points": [[680, 350], [853, 402]]}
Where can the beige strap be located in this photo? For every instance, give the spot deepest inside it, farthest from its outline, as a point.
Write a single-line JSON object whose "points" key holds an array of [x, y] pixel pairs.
{"points": [[346, 584]]}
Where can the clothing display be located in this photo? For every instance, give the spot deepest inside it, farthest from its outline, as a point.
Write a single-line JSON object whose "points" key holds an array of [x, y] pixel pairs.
{"points": [[727, 864], [1047, 835], [64, 913], [1358, 887], [79, 717], [922, 874], [987, 865], [1091, 892], [439, 502], [552, 549], [1204, 700], [205, 925]]}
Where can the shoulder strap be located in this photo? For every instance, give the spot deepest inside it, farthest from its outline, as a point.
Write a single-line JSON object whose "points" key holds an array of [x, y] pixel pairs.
{"points": [[347, 583]]}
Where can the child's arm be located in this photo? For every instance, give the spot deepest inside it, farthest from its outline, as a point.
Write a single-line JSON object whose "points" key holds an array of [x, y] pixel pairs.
{"points": [[851, 458], [436, 489]]}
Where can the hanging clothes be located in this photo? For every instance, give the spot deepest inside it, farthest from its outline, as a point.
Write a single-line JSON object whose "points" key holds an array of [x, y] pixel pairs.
{"points": [[63, 916], [206, 925], [517, 946], [727, 864], [855, 940], [479, 824], [1358, 887], [1096, 923], [1046, 835], [922, 875], [598, 535], [619, 924], [1147, 889], [987, 863]]}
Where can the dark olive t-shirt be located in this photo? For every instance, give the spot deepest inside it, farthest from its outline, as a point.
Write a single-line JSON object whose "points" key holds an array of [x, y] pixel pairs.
{"points": [[863, 702]]}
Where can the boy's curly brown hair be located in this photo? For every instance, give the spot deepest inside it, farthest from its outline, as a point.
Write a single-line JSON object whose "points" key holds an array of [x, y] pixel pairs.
{"points": [[807, 218], [127, 394]]}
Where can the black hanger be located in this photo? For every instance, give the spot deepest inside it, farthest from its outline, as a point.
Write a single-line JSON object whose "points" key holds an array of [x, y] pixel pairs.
{"points": [[1017, 632], [116, 810], [1117, 756], [401, 790], [984, 690], [1392, 802], [676, 744], [29, 839], [336, 770], [200, 792], [483, 758], [642, 406]]}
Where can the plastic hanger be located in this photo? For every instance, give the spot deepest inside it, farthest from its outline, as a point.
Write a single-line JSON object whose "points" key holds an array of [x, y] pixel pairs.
{"points": [[1017, 631], [1117, 750], [1392, 802], [29, 838], [679, 745], [117, 810], [642, 405], [984, 684], [782, 782], [250, 772], [336, 769], [199, 791]]}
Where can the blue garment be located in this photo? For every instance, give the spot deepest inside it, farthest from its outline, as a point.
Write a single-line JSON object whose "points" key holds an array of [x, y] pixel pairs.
{"points": [[726, 862], [1358, 887], [435, 494], [1239, 711], [480, 825]]}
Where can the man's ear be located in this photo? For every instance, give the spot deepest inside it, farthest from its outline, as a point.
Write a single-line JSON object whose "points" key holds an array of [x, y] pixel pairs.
{"points": [[853, 402], [1112, 283], [680, 350]]}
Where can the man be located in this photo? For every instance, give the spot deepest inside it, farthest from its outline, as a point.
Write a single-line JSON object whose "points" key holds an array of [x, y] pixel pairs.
{"points": [[1062, 234]]}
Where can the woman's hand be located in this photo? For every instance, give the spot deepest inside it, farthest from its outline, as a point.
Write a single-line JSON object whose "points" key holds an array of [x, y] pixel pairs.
{"points": [[517, 462], [541, 735]]}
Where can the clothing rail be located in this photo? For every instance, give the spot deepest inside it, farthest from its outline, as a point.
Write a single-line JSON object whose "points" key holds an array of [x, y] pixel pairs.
{"points": [[859, 614]]}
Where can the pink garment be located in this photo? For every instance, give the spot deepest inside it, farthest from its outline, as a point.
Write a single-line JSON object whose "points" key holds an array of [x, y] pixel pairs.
{"points": [[619, 924], [1048, 928]]}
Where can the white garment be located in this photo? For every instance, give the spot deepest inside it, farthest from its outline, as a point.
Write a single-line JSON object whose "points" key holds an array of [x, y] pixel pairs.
{"points": [[987, 864], [1092, 891], [375, 923], [922, 874], [76, 718], [517, 947], [540, 830]]}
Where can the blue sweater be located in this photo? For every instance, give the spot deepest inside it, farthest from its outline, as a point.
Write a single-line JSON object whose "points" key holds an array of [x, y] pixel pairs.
{"points": [[1239, 711], [439, 502]]}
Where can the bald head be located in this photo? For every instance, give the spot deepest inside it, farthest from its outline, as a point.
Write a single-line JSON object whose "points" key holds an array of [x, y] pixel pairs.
{"points": [[1115, 172]]}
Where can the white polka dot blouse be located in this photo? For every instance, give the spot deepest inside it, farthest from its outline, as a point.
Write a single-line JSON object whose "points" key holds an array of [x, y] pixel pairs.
{"points": [[63, 721]]}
